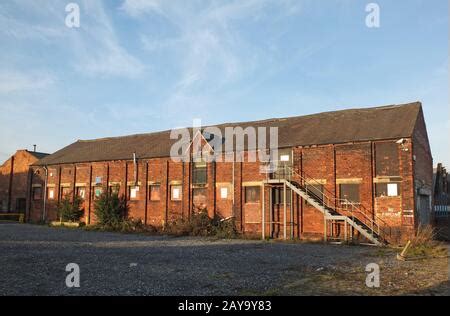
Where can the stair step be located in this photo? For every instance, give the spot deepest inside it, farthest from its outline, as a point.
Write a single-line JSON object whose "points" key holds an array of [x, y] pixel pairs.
{"points": [[364, 229]]}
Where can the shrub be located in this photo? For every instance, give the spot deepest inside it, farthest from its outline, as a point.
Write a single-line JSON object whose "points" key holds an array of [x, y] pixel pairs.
{"points": [[70, 211], [200, 224], [135, 226], [226, 229], [424, 244], [425, 236], [179, 227], [110, 210]]}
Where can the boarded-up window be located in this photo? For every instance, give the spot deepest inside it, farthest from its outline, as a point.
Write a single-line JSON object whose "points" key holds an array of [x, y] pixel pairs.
{"points": [[51, 193], [252, 194], [81, 192], [65, 192], [199, 173], [284, 158], [199, 199], [387, 189], [155, 192], [349, 192], [386, 159], [97, 192], [224, 193], [133, 192], [114, 189], [175, 192], [37, 193]]}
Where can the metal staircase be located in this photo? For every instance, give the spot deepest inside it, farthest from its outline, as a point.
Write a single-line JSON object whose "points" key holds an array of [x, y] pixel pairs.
{"points": [[353, 216]]}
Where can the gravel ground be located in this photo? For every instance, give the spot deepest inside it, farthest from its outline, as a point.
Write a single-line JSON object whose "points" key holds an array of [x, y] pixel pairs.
{"points": [[33, 261]]}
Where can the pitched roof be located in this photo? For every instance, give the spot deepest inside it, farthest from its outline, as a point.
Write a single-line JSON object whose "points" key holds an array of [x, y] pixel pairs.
{"points": [[37, 155], [386, 122]]}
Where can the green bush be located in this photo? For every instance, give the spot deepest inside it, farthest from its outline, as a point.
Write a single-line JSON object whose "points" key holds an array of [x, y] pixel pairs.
{"points": [[226, 229], [111, 210], [70, 211]]}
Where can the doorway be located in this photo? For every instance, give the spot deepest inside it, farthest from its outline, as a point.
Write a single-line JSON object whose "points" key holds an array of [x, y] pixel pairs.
{"points": [[21, 205]]}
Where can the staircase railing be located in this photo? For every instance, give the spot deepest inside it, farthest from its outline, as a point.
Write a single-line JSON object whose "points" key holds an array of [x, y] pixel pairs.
{"points": [[330, 201]]}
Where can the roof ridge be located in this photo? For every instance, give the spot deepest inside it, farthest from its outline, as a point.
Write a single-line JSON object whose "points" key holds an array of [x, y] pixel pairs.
{"points": [[274, 119], [332, 127]]}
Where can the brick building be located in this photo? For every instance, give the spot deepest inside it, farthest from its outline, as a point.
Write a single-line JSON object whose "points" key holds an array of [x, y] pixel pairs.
{"points": [[13, 180], [360, 173], [441, 201]]}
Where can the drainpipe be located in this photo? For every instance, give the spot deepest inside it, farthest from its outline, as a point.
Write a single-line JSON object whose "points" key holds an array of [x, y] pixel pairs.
{"points": [[233, 211], [10, 185], [135, 168], [44, 211]]}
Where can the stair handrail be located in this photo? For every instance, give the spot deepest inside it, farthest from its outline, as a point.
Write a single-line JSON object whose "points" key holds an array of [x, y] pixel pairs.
{"points": [[357, 208], [381, 230], [333, 201]]}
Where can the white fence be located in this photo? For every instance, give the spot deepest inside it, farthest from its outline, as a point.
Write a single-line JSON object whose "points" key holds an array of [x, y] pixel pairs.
{"points": [[441, 210]]}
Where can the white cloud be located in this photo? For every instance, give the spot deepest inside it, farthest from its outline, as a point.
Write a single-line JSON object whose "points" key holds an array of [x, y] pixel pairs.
{"points": [[136, 8], [94, 48], [98, 49], [211, 51], [15, 81], [24, 29]]}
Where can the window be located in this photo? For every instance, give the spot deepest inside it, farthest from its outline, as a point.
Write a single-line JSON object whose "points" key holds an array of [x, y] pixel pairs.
{"points": [[175, 192], [37, 193], [387, 189], [284, 158], [65, 192], [155, 192], [252, 194], [199, 199], [392, 189], [51, 193], [97, 192], [349, 192], [98, 180], [199, 173], [81, 192], [387, 159], [114, 189], [133, 192], [224, 193]]}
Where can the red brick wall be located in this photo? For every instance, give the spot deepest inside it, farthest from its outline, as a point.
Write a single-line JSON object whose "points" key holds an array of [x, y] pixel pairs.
{"points": [[224, 178], [423, 171], [156, 210], [315, 163], [330, 164], [14, 185]]}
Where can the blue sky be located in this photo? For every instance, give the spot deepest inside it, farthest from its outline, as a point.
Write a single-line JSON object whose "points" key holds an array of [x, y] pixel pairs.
{"points": [[145, 65]]}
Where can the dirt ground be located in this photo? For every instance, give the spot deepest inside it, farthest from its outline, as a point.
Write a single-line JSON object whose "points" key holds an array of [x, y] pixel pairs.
{"points": [[417, 277], [33, 260]]}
